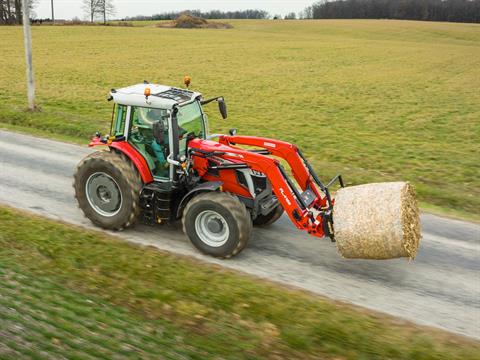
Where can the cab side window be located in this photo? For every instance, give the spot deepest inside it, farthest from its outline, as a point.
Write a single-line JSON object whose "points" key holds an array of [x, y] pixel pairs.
{"points": [[119, 118]]}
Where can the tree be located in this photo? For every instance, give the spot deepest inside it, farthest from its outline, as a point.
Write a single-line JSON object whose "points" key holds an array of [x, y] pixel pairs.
{"points": [[11, 11], [95, 9], [91, 8], [307, 13], [106, 8], [290, 16]]}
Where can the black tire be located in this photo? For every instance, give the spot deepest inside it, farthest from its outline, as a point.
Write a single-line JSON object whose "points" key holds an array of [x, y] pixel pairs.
{"points": [[118, 170], [270, 218], [236, 219]]}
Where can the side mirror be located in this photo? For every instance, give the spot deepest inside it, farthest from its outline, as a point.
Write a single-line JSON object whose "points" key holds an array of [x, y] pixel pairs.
{"points": [[222, 107]]}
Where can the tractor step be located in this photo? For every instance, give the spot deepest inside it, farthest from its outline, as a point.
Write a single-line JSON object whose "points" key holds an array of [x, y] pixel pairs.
{"points": [[156, 203], [267, 206]]}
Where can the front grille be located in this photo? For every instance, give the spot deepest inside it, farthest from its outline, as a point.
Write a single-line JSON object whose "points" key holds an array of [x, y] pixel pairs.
{"points": [[258, 179], [242, 180], [211, 170]]}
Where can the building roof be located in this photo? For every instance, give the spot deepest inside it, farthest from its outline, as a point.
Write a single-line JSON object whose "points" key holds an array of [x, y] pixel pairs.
{"points": [[162, 96]]}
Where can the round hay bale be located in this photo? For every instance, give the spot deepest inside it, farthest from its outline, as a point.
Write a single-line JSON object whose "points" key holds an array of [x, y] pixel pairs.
{"points": [[377, 221]]}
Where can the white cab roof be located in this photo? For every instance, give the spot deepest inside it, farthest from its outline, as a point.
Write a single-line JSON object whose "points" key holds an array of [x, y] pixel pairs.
{"points": [[162, 97]]}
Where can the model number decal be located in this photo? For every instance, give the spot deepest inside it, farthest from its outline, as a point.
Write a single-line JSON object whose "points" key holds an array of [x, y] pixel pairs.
{"points": [[285, 197], [234, 155]]}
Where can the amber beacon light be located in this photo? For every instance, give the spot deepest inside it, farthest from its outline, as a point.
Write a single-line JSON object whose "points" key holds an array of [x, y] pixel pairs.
{"points": [[187, 80]]}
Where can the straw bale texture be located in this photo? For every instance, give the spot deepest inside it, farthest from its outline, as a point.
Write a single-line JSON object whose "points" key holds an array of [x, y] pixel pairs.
{"points": [[377, 221]]}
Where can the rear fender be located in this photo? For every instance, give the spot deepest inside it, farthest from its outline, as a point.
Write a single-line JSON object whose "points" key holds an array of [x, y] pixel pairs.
{"points": [[130, 152], [203, 187]]}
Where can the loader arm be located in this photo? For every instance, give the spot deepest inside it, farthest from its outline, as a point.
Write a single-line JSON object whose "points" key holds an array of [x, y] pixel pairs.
{"points": [[288, 152], [308, 210], [303, 172]]}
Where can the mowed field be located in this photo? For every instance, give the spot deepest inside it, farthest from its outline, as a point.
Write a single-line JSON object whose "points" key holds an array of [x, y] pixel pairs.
{"points": [[373, 100]]}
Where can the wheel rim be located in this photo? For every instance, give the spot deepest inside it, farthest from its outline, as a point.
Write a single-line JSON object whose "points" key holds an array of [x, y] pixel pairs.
{"points": [[103, 194], [212, 228]]}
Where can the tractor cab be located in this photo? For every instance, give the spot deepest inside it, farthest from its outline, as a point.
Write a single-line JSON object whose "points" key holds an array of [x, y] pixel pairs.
{"points": [[158, 121]]}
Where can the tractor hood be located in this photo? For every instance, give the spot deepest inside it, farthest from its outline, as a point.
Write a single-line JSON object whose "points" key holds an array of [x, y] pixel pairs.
{"points": [[160, 96], [211, 146]]}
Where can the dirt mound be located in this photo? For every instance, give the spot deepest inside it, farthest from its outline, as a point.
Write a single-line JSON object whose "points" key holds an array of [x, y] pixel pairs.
{"points": [[192, 22]]}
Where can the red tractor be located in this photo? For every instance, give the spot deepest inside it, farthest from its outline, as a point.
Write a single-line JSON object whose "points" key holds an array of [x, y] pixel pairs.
{"points": [[162, 165]]}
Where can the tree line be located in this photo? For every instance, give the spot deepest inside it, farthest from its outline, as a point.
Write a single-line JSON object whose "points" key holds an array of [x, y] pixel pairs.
{"points": [[11, 10], [433, 10], [212, 14], [429, 10]]}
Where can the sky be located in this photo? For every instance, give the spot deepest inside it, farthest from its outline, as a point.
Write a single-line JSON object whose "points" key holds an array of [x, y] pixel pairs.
{"points": [[68, 9]]}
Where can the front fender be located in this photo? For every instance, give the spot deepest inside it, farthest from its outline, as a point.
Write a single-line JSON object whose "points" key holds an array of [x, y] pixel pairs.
{"points": [[203, 187]]}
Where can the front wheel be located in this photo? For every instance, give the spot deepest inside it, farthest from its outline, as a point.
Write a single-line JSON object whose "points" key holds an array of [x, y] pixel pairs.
{"points": [[107, 187], [217, 224]]}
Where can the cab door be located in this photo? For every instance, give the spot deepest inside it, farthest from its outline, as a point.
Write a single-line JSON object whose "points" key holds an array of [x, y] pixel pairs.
{"points": [[155, 150]]}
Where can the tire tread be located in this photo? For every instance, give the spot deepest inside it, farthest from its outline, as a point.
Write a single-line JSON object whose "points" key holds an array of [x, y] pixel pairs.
{"points": [[236, 208], [128, 170]]}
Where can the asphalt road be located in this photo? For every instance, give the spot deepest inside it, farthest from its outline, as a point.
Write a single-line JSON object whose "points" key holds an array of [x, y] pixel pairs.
{"points": [[441, 287]]}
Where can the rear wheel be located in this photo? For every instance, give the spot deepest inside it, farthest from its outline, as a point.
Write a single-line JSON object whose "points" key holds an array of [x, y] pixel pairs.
{"points": [[270, 218], [217, 224], [107, 188]]}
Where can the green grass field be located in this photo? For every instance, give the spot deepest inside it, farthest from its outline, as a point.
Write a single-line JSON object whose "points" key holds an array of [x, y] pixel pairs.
{"points": [[70, 293], [374, 100]]}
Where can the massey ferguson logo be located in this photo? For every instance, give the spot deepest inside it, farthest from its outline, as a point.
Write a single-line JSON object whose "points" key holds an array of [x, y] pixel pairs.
{"points": [[285, 196]]}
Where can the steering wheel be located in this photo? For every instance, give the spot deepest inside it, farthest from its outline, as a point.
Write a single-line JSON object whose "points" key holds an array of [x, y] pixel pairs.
{"points": [[137, 136]]}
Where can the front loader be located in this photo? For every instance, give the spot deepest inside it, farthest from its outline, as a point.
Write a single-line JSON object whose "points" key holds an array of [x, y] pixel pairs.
{"points": [[160, 164]]}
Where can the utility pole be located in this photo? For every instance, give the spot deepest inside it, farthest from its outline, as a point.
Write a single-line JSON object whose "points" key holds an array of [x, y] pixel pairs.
{"points": [[53, 14], [27, 38]]}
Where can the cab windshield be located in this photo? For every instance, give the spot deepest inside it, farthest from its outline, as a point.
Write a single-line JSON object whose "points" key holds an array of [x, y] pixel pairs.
{"points": [[190, 121]]}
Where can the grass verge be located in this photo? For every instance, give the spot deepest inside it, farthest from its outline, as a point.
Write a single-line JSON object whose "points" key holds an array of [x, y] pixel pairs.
{"points": [[74, 293]]}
